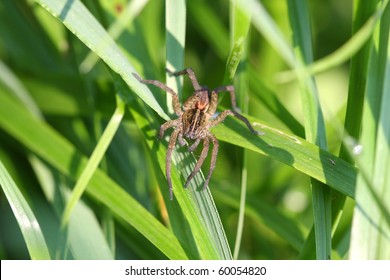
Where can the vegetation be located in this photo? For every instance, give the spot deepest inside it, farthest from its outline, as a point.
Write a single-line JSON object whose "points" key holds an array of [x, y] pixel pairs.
{"points": [[82, 172]]}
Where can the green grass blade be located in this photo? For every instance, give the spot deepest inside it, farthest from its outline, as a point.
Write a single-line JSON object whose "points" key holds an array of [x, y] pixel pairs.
{"points": [[94, 161], [356, 92], [293, 151], [115, 30], [267, 27], [48, 144], [346, 51], [371, 222], [25, 217], [314, 125], [240, 24], [9, 79], [75, 16], [175, 26], [84, 237], [358, 76]]}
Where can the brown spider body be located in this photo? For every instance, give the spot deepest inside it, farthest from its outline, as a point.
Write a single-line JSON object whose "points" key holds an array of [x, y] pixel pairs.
{"points": [[194, 122], [196, 116]]}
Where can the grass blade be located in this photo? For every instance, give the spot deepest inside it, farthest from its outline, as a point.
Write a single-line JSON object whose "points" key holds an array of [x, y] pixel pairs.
{"points": [[345, 52], [240, 24], [267, 27], [84, 237], [314, 126], [115, 30], [75, 16], [371, 221], [293, 151], [25, 217], [175, 26], [94, 161]]}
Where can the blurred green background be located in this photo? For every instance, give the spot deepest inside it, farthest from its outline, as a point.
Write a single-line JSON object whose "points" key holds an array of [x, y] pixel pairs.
{"points": [[43, 60]]}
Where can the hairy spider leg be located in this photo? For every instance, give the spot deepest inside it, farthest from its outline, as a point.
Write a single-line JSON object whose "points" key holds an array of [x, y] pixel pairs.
{"points": [[230, 89], [199, 163], [168, 159], [194, 145], [181, 140], [222, 116], [175, 97], [191, 75], [213, 160], [213, 103], [167, 125]]}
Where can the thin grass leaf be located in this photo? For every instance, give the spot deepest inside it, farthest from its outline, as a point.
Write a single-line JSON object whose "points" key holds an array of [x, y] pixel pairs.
{"points": [[293, 151], [9, 79], [240, 24], [371, 222], [54, 149], [84, 234], [314, 125], [94, 161], [175, 28], [75, 16], [25, 217], [345, 52], [132, 9], [84, 237], [356, 92], [267, 27]]}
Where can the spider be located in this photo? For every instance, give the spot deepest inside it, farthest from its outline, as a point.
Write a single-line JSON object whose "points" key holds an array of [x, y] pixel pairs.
{"points": [[194, 122]]}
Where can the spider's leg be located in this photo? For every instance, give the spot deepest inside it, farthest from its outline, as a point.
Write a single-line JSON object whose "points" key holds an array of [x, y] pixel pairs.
{"points": [[230, 89], [213, 159], [168, 159], [191, 75], [203, 155], [175, 98], [194, 145], [167, 125], [221, 117], [181, 140]]}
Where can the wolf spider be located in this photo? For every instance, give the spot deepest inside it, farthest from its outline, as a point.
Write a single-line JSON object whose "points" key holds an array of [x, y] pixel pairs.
{"points": [[195, 120]]}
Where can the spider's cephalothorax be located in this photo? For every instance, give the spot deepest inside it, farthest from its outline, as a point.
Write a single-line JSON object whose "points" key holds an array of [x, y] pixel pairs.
{"points": [[194, 122]]}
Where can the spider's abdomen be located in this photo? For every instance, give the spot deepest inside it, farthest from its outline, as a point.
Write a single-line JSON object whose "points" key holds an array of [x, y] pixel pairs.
{"points": [[194, 124]]}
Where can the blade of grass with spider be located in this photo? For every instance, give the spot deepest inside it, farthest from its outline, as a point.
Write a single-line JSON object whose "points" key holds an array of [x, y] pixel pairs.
{"points": [[207, 228]]}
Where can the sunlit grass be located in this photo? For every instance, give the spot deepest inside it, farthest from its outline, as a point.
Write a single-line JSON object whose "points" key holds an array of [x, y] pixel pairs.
{"points": [[67, 69]]}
